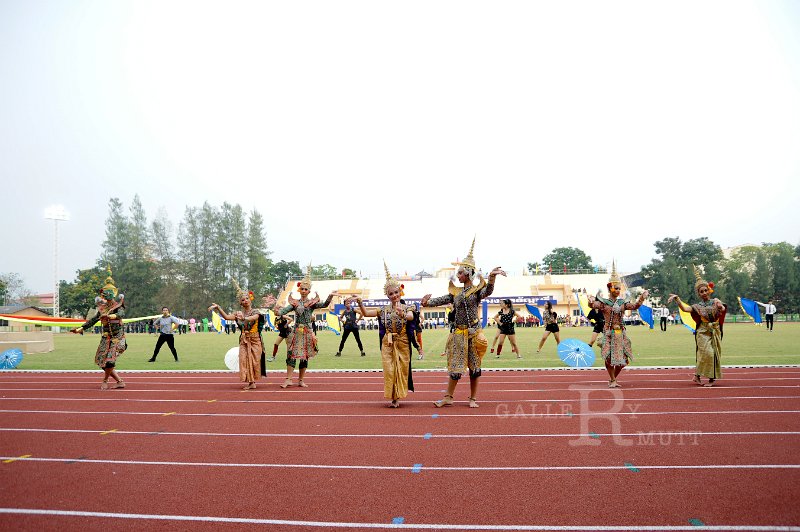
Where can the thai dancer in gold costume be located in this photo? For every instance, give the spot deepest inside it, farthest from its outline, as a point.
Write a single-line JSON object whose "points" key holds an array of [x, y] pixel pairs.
{"points": [[615, 346], [709, 316], [395, 348], [466, 344]]}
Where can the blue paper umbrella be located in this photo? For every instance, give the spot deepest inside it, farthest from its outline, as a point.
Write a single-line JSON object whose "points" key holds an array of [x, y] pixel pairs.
{"points": [[575, 353], [10, 359]]}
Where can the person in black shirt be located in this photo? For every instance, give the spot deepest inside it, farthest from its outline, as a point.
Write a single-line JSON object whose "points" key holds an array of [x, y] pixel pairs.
{"points": [[350, 320], [415, 333], [284, 325], [505, 327], [599, 322]]}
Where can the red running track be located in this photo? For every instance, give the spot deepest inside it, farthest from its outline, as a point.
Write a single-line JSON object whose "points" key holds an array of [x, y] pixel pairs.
{"points": [[547, 450]]}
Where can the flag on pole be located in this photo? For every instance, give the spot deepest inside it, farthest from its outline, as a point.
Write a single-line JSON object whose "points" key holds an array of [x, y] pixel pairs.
{"points": [[333, 323], [750, 308], [687, 319], [534, 311], [216, 321], [583, 304], [646, 315]]}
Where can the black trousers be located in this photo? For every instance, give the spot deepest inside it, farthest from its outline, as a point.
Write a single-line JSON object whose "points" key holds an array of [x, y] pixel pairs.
{"points": [[663, 323], [170, 339], [770, 320], [347, 332]]}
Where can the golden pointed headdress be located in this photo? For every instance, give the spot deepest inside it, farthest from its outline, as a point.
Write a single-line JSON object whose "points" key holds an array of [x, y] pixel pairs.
{"points": [[699, 281], [242, 293], [614, 279], [109, 291], [391, 282], [306, 282], [469, 260]]}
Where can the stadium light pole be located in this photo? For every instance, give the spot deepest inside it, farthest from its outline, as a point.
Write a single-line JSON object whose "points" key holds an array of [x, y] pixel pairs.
{"points": [[57, 213]]}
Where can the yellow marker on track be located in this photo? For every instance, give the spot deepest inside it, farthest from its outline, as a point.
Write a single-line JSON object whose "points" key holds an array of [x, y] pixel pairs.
{"points": [[17, 458]]}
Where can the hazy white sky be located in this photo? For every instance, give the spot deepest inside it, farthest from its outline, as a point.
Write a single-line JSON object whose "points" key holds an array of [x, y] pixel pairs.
{"points": [[364, 130]]}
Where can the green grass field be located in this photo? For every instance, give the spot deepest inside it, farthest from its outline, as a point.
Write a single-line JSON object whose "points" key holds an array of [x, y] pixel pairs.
{"points": [[743, 344]]}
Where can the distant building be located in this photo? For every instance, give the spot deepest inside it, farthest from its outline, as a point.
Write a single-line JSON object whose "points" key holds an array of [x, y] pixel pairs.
{"points": [[559, 290], [22, 311]]}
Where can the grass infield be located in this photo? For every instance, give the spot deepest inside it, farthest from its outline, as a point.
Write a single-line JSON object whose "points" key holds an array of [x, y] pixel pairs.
{"points": [[743, 344]]}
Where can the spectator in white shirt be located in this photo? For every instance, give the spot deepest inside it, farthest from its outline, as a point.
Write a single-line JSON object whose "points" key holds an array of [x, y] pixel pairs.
{"points": [[663, 312], [769, 312]]}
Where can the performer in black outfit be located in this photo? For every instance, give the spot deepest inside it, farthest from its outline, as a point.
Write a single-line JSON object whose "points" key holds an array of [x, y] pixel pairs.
{"points": [[599, 322], [350, 319], [284, 325], [550, 325], [505, 325], [414, 329]]}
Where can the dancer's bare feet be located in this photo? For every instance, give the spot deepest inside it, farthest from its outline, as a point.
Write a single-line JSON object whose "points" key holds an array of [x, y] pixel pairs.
{"points": [[709, 384], [104, 385], [447, 400], [697, 380], [394, 404], [473, 402], [301, 384], [120, 384], [287, 383]]}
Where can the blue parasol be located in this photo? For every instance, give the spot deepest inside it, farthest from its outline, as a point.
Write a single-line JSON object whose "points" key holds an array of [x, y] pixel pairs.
{"points": [[575, 353], [10, 359]]}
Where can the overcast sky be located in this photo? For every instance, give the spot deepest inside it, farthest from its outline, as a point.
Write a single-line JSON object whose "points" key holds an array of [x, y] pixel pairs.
{"points": [[365, 130]]}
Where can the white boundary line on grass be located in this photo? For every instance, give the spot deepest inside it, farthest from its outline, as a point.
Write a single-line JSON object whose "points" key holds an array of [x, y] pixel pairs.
{"points": [[385, 526]]}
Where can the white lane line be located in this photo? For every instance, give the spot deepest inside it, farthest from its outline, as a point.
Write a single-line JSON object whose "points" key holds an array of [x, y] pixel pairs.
{"points": [[504, 414], [384, 526], [647, 434], [517, 379], [306, 391], [426, 468], [411, 401]]}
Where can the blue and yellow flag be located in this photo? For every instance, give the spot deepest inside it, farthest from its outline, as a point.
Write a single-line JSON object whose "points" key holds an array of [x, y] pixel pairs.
{"points": [[583, 304], [216, 321], [750, 308], [687, 319], [646, 315], [534, 311], [333, 323]]}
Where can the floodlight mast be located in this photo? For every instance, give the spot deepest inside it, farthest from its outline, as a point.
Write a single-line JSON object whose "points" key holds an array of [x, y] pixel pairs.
{"points": [[57, 213]]}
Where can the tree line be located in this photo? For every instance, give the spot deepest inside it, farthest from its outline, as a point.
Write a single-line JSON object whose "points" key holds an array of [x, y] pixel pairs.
{"points": [[155, 265], [768, 271], [187, 268]]}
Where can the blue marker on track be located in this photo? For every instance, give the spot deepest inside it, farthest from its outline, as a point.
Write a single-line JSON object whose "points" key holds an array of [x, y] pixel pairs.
{"points": [[398, 520], [417, 468], [434, 416], [696, 522], [427, 436], [632, 467]]}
